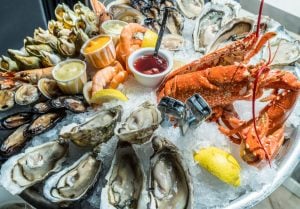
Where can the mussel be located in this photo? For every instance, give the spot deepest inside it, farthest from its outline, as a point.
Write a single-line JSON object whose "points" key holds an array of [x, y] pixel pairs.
{"points": [[44, 122], [7, 100], [26, 94], [140, 125], [15, 120], [74, 104], [34, 165], [42, 107]]}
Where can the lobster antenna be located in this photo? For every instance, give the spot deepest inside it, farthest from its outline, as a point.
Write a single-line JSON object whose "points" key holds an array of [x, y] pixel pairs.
{"points": [[259, 17]]}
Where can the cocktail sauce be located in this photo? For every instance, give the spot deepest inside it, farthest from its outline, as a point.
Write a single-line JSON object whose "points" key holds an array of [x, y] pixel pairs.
{"points": [[150, 64]]}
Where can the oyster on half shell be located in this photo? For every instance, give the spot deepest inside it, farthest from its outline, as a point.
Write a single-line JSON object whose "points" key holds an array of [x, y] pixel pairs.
{"points": [[95, 130], [212, 18], [124, 12], [140, 125], [126, 181], [170, 181], [73, 182], [26, 169], [190, 8]]}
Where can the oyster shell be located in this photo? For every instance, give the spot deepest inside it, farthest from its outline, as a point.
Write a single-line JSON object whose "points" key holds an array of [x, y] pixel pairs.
{"points": [[60, 10], [66, 48], [49, 59], [126, 180], [88, 27], [44, 122], [44, 36], [234, 30], [7, 100], [172, 42], [7, 64], [190, 8], [15, 120], [32, 166], [23, 60], [125, 13], [140, 125], [170, 181], [26, 94], [212, 18], [35, 50], [49, 88], [73, 182], [95, 130]]}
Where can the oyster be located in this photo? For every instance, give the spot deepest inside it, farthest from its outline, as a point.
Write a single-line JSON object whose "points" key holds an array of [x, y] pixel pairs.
{"points": [[190, 8], [49, 59], [44, 36], [60, 10], [23, 60], [73, 182], [125, 13], [15, 120], [7, 64], [7, 100], [49, 88], [14, 142], [95, 130], [55, 26], [35, 50], [140, 125], [126, 180], [170, 181], [26, 94], [212, 18], [234, 30], [66, 48], [44, 122], [26, 169], [172, 42], [89, 28], [74, 104]]}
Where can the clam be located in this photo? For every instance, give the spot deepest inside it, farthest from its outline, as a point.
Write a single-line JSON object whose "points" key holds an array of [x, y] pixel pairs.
{"points": [[125, 13], [72, 183], [140, 125], [7, 100], [15, 120], [44, 122], [7, 64], [74, 104], [234, 30], [23, 60], [173, 42], [49, 88], [95, 130], [212, 18], [14, 142], [42, 107], [190, 8], [170, 183], [26, 94], [126, 180], [34, 165]]}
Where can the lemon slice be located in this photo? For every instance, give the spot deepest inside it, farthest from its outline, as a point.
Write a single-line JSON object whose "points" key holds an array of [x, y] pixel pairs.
{"points": [[105, 95], [150, 39], [219, 163]]}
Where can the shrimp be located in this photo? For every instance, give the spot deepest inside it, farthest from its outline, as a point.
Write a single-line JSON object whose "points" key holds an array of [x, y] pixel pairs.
{"points": [[110, 76], [128, 42], [100, 11]]}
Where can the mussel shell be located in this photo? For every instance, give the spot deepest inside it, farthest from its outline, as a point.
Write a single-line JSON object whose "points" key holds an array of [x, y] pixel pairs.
{"points": [[16, 120], [14, 142], [44, 122], [58, 102], [74, 104], [42, 107], [26, 94], [7, 100]]}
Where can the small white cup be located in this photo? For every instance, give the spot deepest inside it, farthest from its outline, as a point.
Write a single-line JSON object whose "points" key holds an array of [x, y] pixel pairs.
{"points": [[149, 80]]}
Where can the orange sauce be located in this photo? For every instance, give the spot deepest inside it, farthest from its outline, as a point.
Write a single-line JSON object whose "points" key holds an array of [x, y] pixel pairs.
{"points": [[95, 44]]}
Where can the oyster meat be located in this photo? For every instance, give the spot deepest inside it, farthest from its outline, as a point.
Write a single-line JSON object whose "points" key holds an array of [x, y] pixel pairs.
{"points": [[15, 120], [212, 18], [44, 122], [170, 181], [26, 94], [190, 8], [7, 100], [73, 182], [14, 142], [95, 130], [126, 180], [234, 30], [172, 42], [140, 125], [26, 169]]}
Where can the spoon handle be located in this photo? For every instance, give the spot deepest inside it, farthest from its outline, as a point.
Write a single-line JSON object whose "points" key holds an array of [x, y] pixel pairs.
{"points": [[161, 31]]}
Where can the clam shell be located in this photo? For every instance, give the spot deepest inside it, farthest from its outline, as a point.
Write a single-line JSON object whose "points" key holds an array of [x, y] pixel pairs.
{"points": [[140, 125], [34, 165]]}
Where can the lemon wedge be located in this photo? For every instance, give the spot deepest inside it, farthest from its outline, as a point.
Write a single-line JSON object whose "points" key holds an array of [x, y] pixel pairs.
{"points": [[150, 39], [219, 163], [106, 95]]}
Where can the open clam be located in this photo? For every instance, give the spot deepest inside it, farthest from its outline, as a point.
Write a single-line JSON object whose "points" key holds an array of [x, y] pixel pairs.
{"points": [[212, 18], [26, 94], [95, 130], [126, 181], [32, 166], [190, 8], [7, 100], [73, 182], [140, 125], [170, 181], [15, 120]]}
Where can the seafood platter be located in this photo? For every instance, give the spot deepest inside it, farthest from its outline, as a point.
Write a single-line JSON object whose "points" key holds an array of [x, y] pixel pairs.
{"points": [[92, 117]]}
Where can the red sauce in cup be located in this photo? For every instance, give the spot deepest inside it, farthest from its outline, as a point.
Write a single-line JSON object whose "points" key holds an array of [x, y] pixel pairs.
{"points": [[150, 64]]}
